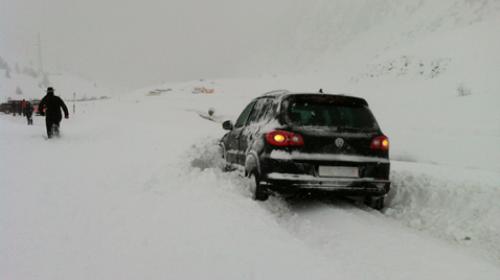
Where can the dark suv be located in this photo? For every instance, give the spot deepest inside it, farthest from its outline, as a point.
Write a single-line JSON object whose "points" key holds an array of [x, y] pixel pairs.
{"points": [[309, 143]]}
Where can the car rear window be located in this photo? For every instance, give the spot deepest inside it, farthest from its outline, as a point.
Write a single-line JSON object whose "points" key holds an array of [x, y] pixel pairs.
{"points": [[329, 111]]}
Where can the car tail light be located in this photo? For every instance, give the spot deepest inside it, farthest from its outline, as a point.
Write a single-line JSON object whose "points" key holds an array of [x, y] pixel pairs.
{"points": [[380, 143], [283, 138]]}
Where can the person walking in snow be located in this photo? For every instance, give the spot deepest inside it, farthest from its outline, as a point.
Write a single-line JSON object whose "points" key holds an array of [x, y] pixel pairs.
{"points": [[50, 107], [19, 107], [13, 107], [28, 112], [23, 107]]}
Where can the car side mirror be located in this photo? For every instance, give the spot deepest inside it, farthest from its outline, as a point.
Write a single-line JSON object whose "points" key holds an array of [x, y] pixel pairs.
{"points": [[227, 125]]}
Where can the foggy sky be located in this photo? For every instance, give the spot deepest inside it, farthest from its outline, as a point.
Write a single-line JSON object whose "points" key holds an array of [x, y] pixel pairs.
{"points": [[139, 43]]}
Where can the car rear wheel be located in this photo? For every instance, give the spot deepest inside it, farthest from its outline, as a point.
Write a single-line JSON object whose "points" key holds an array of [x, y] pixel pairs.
{"points": [[259, 192], [375, 202]]}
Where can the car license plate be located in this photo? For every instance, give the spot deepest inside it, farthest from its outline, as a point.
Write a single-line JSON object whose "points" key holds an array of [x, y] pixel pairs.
{"points": [[338, 171]]}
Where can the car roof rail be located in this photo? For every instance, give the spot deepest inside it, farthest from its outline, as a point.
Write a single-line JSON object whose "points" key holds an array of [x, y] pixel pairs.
{"points": [[276, 92]]}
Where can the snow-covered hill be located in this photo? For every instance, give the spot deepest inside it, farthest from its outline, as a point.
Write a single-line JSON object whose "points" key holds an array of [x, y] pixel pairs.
{"points": [[342, 34], [25, 82]]}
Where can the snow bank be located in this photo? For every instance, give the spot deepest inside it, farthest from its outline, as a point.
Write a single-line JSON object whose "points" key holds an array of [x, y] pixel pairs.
{"points": [[455, 204]]}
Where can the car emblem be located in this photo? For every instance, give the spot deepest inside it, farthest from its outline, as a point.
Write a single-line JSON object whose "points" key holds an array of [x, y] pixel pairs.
{"points": [[339, 142]]}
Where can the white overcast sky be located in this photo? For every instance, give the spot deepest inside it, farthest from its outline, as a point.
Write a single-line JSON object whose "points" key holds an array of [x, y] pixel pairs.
{"points": [[142, 42]]}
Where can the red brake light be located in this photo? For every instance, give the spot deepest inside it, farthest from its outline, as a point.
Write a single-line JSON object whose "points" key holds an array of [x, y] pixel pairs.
{"points": [[380, 143], [283, 138]]}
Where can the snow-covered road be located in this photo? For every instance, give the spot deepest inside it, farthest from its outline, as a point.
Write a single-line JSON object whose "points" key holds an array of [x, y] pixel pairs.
{"points": [[131, 191]]}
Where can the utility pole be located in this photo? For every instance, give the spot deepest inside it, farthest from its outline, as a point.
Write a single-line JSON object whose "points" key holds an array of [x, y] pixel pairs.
{"points": [[74, 100], [40, 61]]}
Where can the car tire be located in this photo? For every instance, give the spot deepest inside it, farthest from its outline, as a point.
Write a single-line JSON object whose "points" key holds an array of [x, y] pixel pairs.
{"points": [[259, 192], [224, 165], [375, 202]]}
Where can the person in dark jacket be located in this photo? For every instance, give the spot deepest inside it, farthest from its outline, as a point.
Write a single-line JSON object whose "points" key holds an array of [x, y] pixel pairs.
{"points": [[13, 107], [28, 112], [23, 107], [50, 107], [19, 108]]}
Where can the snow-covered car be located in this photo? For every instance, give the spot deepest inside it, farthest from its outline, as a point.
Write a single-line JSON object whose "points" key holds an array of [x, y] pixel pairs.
{"points": [[5, 108], [35, 103], [310, 143]]}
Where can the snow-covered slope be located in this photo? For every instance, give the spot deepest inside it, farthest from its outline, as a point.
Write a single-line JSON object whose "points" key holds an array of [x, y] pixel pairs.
{"points": [[342, 34], [24, 82]]}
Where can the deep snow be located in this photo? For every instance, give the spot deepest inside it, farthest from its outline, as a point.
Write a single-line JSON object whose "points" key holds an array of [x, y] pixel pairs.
{"points": [[132, 190]]}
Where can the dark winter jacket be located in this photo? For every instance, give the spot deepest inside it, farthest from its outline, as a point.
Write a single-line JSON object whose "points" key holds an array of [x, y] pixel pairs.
{"points": [[28, 109], [52, 105]]}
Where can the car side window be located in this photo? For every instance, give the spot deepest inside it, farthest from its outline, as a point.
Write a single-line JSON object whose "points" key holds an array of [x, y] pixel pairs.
{"points": [[242, 119], [267, 110], [257, 111]]}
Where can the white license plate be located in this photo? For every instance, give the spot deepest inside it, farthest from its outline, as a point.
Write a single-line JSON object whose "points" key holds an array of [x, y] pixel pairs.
{"points": [[338, 171]]}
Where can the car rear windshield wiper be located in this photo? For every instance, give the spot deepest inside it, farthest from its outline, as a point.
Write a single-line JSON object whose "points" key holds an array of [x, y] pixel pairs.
{"points": [[355, 129]]}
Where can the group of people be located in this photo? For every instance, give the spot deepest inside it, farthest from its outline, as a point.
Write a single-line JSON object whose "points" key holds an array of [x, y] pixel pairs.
{"points": [[50, 106], [23, 108]]}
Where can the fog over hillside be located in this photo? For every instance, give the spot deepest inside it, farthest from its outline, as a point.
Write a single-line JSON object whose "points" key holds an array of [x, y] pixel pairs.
{"points": [[140, 43]]}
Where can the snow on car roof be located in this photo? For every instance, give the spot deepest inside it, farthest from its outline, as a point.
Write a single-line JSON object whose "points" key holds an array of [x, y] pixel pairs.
{"points": [[281, 93]]}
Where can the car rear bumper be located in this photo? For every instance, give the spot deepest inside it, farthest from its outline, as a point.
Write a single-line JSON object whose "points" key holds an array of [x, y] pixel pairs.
{"points": [[286, 182]]}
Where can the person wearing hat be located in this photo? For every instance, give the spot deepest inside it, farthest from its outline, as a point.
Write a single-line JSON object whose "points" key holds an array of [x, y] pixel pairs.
{"points": [[50, 107]]}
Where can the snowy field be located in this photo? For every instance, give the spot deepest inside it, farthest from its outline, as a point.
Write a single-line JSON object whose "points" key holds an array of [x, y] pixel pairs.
{"points": [[132, 191]]}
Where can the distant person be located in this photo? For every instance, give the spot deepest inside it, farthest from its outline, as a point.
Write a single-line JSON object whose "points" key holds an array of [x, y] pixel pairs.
{"points": [[23, 107], [19, 108], [13, 107], [50, 107], [28, 112]]}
